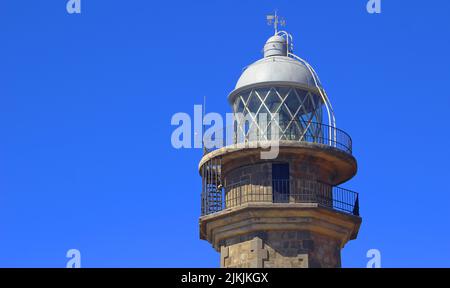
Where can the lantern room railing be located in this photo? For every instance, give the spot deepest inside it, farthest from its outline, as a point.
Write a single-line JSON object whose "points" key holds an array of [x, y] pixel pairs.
{"points": [[281, 191], [301, 131]]}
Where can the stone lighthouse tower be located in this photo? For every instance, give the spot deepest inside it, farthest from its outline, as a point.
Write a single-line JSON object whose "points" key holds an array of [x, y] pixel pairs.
{"points": [[286, 210]]}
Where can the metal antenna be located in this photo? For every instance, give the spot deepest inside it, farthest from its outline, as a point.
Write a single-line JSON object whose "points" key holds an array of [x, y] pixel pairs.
{"points": [[275, 20], [203, 126], [204, 106]]}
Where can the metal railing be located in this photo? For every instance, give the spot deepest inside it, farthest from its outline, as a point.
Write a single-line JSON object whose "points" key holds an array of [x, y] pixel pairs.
{"points": [[301, 131], [284, 191]]}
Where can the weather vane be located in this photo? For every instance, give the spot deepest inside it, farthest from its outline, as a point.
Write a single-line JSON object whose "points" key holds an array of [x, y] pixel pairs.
{"points": [[275, 20]]}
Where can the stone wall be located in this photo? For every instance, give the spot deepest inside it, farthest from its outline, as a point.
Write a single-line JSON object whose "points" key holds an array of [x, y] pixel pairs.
{"points": [[249, 183], [287, 249], [252, 167], [253, 182]]}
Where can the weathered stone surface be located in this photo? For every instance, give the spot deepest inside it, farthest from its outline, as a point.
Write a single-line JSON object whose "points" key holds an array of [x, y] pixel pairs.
{"points": [[332, 165], [281, 249], [287, 232]]}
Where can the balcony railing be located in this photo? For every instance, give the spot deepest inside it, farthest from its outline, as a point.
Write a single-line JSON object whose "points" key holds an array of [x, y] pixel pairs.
{"points": [[281, 191], [301, 131]]}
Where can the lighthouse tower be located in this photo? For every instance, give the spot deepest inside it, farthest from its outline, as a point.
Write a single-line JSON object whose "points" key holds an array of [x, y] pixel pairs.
{"points": [[286, 210]]}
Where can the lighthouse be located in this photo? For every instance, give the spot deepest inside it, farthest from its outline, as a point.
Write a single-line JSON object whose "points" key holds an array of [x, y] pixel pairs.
{"points": [[289, 210]]}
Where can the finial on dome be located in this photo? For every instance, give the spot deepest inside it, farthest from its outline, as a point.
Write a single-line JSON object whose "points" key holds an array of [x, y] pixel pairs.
{"points": [[277, 45], [275, 20]]}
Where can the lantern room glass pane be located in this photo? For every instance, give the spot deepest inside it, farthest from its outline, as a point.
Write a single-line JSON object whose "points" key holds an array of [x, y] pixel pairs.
{"points": [[299, 112]]}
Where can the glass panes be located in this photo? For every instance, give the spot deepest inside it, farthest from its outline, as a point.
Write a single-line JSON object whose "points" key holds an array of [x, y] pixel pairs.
{"points": [[284, 116], [283, 92], [263, 93], [238, 106], [273, 101], [299, 112], [294, 101], [253, 103]]}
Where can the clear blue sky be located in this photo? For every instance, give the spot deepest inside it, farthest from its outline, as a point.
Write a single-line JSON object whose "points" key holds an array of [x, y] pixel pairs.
{"points": [[86, 100]]}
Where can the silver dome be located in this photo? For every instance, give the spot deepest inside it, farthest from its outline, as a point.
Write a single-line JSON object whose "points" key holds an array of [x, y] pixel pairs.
{"points": [[276, 69]]}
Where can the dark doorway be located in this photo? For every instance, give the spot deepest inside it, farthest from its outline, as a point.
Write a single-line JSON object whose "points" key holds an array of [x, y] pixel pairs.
{"points": [[280, 183]]}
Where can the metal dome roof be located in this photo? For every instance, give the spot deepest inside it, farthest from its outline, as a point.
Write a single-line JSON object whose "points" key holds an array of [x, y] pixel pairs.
{"points": [[276, 69]]}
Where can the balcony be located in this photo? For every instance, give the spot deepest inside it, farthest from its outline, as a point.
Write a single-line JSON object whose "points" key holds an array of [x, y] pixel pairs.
{"points": [[300, 131], [216, 199]]}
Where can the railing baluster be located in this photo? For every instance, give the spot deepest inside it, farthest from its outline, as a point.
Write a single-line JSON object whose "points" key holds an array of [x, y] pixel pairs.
{"points": [[314, 133], [283, 191]]}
